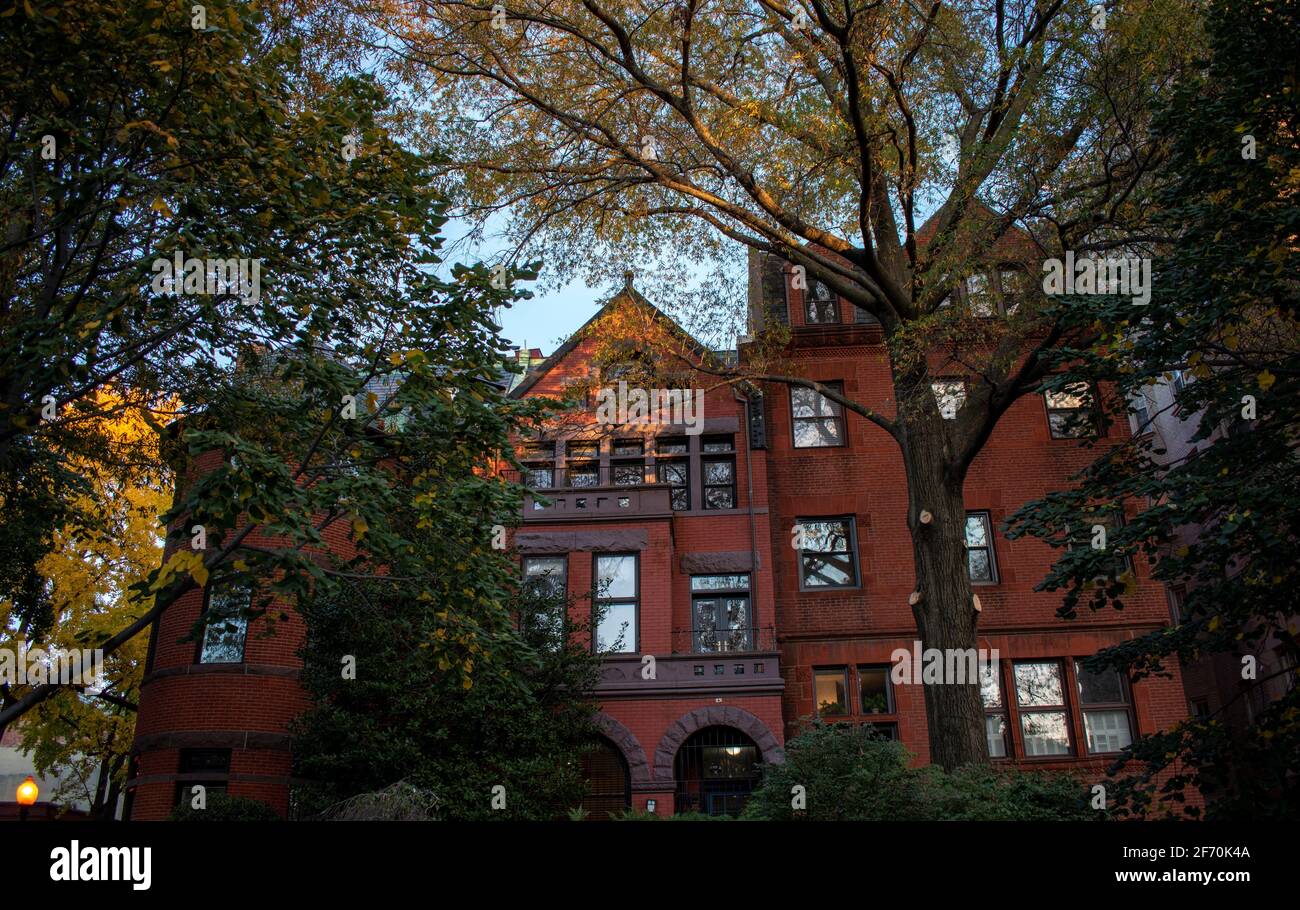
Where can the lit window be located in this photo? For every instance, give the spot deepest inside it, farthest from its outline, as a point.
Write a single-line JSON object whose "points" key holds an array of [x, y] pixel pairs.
{"points": [[832, 688], [874, 692]]}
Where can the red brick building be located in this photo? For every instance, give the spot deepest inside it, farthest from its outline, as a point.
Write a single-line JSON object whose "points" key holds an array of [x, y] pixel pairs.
{"points": [[722, 637]]}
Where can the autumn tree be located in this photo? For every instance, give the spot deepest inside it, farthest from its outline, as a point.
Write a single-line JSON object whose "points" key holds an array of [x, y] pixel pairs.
{"points": [[92, 578], [325, 393], [618, 131]]}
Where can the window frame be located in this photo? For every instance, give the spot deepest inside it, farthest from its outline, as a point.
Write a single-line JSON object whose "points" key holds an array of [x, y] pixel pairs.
{"points": [[838, 416], [1001, 711], [534, 458], [1018, 713], [891, 704], [201, 644], [987, 516], [851, 521], [563, 593], [596, 600], [845, 703], [1126, 706], [721, 594], [1092, 427], [218, 782], [681, 459], [718, 457], [808, 299], [1112, 521], [618, 461], [581, 464]]}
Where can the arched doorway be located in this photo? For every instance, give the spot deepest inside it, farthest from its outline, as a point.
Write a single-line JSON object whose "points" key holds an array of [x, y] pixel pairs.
{"points": [[609, 785], [716, 770]]}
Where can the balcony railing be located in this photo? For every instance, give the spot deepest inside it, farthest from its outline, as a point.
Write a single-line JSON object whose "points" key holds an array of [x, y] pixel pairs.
{"points": [[724, 641], [598, 491], [579, 477]]}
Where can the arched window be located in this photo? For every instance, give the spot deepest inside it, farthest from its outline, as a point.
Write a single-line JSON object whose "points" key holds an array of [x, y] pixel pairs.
{"points": [[716, 770], [609, 785]]}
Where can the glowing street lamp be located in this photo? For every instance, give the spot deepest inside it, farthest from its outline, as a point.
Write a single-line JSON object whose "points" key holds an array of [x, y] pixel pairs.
{"points": [[27, 793]]}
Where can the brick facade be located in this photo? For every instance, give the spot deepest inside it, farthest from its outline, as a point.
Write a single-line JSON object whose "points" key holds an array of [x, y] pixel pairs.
{"points": [[759, 694]]}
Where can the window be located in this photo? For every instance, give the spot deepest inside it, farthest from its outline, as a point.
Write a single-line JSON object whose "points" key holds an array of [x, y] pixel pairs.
{"points": [[1014, 286], [539, 466], [821, 306], [950, 395], [720, 443], [546, 585], [1040, 698], [1083, 536], [627, 461], [979, 296], [226, 626], [980, 561], [831, 692], [1139, 414], [1103, 699], [214, 762], [829, 555], [548, 575], [720, 613], [818, 421], [616, 599], [719, 478], [1177, 595], [874, 693], [1070, 411], [582, 464], [674, 469], [995, 710]]}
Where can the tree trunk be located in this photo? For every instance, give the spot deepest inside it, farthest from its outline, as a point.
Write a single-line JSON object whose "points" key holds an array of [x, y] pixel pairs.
{"points": [[946, 618]]}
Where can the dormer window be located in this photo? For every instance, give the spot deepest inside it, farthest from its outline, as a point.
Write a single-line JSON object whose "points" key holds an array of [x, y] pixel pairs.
{"points": [[821, 306]]}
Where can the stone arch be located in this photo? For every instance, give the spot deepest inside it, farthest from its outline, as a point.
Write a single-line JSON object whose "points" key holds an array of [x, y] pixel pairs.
{"points": [[714, 716], [638, 768]]}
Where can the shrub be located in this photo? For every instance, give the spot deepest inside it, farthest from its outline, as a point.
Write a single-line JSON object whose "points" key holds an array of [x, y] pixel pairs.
{"points": [[224, 808], [853, 773]]}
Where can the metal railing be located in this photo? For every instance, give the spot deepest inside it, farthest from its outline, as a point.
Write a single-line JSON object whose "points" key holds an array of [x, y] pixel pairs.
{"points": [[586, 476], [745, 640]]}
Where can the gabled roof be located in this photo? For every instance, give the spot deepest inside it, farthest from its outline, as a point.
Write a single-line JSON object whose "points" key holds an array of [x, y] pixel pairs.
{"points": [[627, 293]]}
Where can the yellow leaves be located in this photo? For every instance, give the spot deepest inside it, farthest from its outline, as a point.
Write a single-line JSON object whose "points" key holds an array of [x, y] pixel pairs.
{"points": [[164, 66], [1266, 380], [182, 562], [160, 205], [359, 527], [59, 95], [1214, 624]]}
